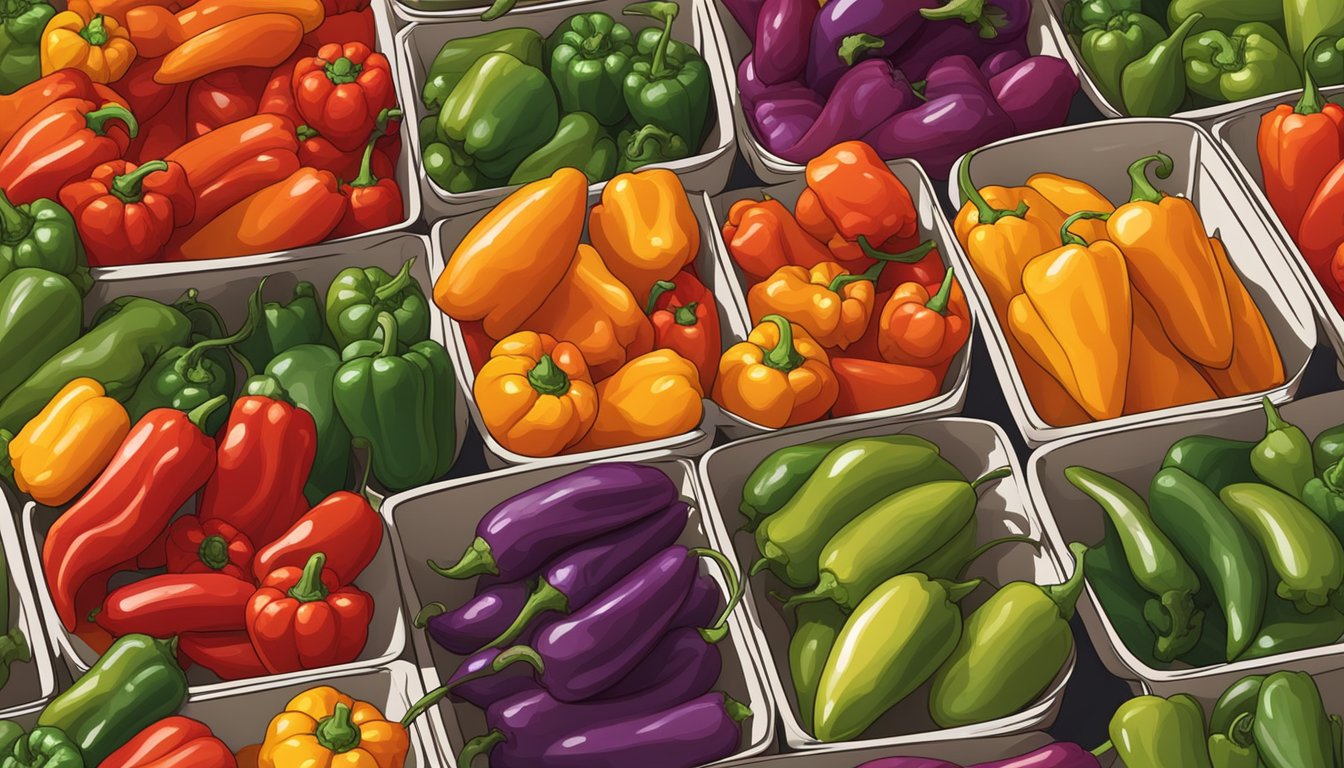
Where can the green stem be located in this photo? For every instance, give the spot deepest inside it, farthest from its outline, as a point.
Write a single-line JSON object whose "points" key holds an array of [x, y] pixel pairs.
{"points": [[986, 213], [304, 133], [386, 116], [1142, 190], [1068, 238], [191, 366], [547, 378], [545, 598], [478, 746], [956, 592], [869, 275], [129, 187], [665, 11], [852, 47], [428, 612], [514, 655], [97, 119], [1310, 103], [659, 288], [783, 357], [389, 325], [663, 138], [309, 588], [499, 8], [95, 32], [396, 285], [214, 552], [338, 733], [685, 315], [1066, 595], [985, 548], [737, 711], [938, 302], [14, 223], [736, 588], [343, 71], [200, 413], [1273, 421], [363, 488], [970, 11], [1103, 748], [477, 560], [905, 257], [366, 177], [991, 476]]}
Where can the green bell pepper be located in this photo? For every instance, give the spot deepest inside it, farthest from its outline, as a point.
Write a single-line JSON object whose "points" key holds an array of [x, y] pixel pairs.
{"points": [[668, 85], [1153, 732], [1082, 15], [589, 56], [356, 296], [502, 110], [21, 25], [1154, 85], [10, 732], [41, 234], [1324, 495], [1328, 448], [1226, 14], [1108, 48], [1325, 61], [32, 299], [456, 57], [1235, 748], [579, 142], [1214, 461], [284, 326], [453, 171], [1292, 729], [1307, 20], [1283, 457], [44, 747], [650, 144], [1251, 62]]}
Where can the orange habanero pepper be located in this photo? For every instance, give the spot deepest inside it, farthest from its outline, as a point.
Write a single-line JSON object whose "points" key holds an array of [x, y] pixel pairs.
{"points": [[535, 394], [763, 236], [778, 377], [860, 194], [653, 396], [924, 326], [644, 228]]}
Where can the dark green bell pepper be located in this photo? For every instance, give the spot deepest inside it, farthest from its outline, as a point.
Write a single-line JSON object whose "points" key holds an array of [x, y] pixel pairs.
{"points": [[1153, 732], [44, 747], [21, 25], [1324, 495], [648, 145], [1214, 461], [1236, 747], [1250, 62], [356, 296], [1082, 15], [453, 171], [456, 57], [589, 56], [1292, 729], [284, 326], [502, 110], [41, 234], [33, 300], [668, 85], [580, 142], [1327, 449], [1154, 85], [1108, 48]]}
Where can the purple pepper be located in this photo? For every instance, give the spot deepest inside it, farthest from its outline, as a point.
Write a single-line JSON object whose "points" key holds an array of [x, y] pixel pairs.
{"points": [[781, 123], [575, 578], [484, 691], [682, 657], [885, 25], [949, 33], [908, 762], [518, 536], [702, 606], [476, 622], [745, 13], [1003, 61], [1037, 93], [1057, 755], [782, 32], [864, 97]]}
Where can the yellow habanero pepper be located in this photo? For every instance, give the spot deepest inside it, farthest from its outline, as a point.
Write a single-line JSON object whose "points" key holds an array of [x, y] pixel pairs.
{"points": [[323, 727], [69, 443], [645, 228], [1256, 365], [656, 395], [535, 395], [93, 43], [1075, 319], [778, 377]]}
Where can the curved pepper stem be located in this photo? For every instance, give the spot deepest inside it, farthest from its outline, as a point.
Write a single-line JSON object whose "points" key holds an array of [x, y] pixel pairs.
{"points": [[664, 11], [497, 9], [214, 552], [1310, 103], [992, 475], [828, 588], [191, 365], [338, 733], [974, 12], [481, 745], [201, 413], [14, 223], [95, 32], [655, 293], [97, 119], [428, 612], [547, 378], [309, 588], [544, 598], [783, 357], [736, 710], [736, 588], [514, 655], [985, 213], [1066, 595], [1141, 189], [476, 561], [366, 177], [1102, 748], [670, 145], [938, 303], [853, 47], [363, 488], [869, 275], [1068, 238], [985, 549], [129, 187], [1333, 477], [685, 314], [905, 257], [388, 324], [397, 284], [958, 591]]}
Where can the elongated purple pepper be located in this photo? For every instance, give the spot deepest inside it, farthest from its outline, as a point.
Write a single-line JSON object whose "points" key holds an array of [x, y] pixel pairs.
{"points": [[974, 28], [472, 626], [517, 537], [1003, 61], [887, 24], [682, 653], [1058, 755], [1036, 93], [782, 32]]}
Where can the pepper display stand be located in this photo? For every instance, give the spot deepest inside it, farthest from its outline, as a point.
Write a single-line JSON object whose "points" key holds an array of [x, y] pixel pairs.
{"points": [[30, 683], [421, 532], [1099, 154], [974, 447]]}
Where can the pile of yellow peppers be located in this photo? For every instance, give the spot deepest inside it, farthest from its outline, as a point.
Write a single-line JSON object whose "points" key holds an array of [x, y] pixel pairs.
{"points": [[1110, 311]]}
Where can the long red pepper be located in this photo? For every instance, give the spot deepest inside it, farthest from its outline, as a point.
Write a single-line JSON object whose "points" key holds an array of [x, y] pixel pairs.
{"points": [[169, 604], [343, 526], [229, 655], [172, 741]]}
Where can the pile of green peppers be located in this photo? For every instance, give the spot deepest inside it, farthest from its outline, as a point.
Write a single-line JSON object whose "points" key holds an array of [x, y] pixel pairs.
{"points": [[881, 614], [22, 23], [1236, 553], [1152, 58], [510, 107], [1274, 721]]}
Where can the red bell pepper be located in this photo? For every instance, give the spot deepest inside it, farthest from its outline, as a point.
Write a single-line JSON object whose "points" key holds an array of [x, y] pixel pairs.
{"points": [[20, 106], [302, 618], [265, 455], [277, 97], [1298, 145], [164, 132], [126, 214], [343, 526], [372, 202], [174, 741], [355, 25], [229, 655], [315, 151], [169, 604], [867, 386], [206, 547], [925, 325], [65, 141], [1321, 234], [686, 320], [145, 96], [341, 91], [223, 97], [164, 459]]}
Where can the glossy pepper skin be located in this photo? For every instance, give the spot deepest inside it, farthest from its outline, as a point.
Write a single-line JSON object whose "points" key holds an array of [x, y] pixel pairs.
{"points": [[1154, 85], [211, 546], [1298, 146], [833, 305], [372, 202], [778, 377], [650, 144], [1283, 457], [668, 84], [654, 396], [817, 627], [63, 142], [535, 394], [860, 195], [763, 236], [1291, 724], [341, 91], [41, 234], [644, 228], [685, 320], [868, 386], [1113, 44], [457, 56], [229, 655], [1252, 61], [168, 604], [1305, 555], [174, 740], [1328, 448], [356, 296], [45, 747], [778, 477], [21, 27], [282, 327], [1214, 461], [1151, 732], [501, 111], [67, 445], [300, 209], [34, 298], [323, 726], [79, 38], [579, 142], [589, 56], [344, 527], [924, 327], [302, 618], [126, 213]]}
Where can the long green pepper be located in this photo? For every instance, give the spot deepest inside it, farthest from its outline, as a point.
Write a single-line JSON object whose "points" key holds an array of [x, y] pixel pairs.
{"points": [[778, 477], [1283, 458], [1303, 551]]}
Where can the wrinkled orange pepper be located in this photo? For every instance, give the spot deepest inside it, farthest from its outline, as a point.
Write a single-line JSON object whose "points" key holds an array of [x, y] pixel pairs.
{"points": [[644, 228], [778, 377], [867, 386], [763, 236], [653, 396], [924, 325], [535, 394], [1256, 365], [860, 194]]}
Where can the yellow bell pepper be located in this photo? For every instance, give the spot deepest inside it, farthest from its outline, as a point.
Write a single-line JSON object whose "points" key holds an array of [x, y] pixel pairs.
{"points": [[535, 395], [1256, 365], [95, 44], [653, 396], [645, 228], [1075, 318], [323, 727], [1072, 196], [778, 377], [69, 443], [1159, 375]]}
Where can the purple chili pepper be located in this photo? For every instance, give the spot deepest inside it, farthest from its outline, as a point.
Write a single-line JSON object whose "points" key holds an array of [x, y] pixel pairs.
{"points": [[781, 123], [1003, 61], [476, 622], [575, 578], [960, 26], [1037, 93], [745, 13], [484, 691], [1057, 755], [702, 606], [682, 657], [864, 97], [908, 762], [518, 536], [782, 33], [884, 26]]}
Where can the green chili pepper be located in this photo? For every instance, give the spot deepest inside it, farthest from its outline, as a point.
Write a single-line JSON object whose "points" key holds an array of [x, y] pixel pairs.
{"points": [[41, 234], [589, 56], [1283, 458], [1156, 563], [1235, 748], [1112, 45], [948, 562], [1292, 729], [818, 626], [44, 747], [1153, 732], [894, 642], [668, 85], [1304, 552], [32, 298], [136, 683], [1120, 596], [457, 56], [1154, 86], [1250, 62], [649, 144], [851, 478], [778, 477], [1328, 448], [1324, 495], [21, 25], [579, 142], [1226, 14], [1218, 548], [10, 733], [284, 326], [501, 111], [356, 296], [1214, 461], [1286, 630]]}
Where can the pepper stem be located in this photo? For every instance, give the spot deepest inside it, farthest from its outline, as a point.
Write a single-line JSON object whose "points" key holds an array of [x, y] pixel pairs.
{"points": [[305, 132], [685, 314], [1241, 730], [1310, 103], [343, 71], [666, 141], [338, 733], [428, 612], [396, 284], [1068, 238], [905, 257], [1333, 477], [129, 187], [985, 213], [852, 47], [95, 32], [96, 120], [477, 560], [200, 413], [544, 598], [309, 588], [783, 357], [665, 11], [736, 710], [736, 588], [14, 223], [985, 548], [214, 552], [547, 378], [479, 746], [869, 275], [499, 8], [1273, 421], [655, 293], [1066, 595], [828, 588], [956, 592], [973, 12], [191, 364], [366, 177], [1141, 189], [1102, 748], [938, 303], [388, 323], [992, 475]]}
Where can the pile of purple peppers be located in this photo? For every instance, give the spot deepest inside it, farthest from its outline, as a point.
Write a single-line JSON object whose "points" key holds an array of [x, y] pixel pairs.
{"points": [[592, 636], [925, 79], [1058, 755]]}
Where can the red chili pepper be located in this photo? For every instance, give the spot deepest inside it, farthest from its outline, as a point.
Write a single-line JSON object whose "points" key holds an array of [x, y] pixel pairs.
{"points": [[164, 459], [265, 455], [353, 25], [224, 97], [374, 202], [169, 604], [194, 546], [89, 599], [65, 141], [301, 618], [229, 655], [343, 527], [316, 152], [173, 741], [126, 213], [867, 386], [341, 91], [686, 320]]}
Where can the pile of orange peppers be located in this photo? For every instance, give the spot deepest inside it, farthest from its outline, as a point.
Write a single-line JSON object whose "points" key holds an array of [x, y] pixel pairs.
{"points": [[582, 346], [853, 314], [1110, 311]]}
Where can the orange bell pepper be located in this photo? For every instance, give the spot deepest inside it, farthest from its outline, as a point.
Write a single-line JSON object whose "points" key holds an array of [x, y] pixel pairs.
{"points": [[924, 325], [535, 394], [763, 236], [301, 210], [1072, 196], [595, 311], [508, 263], [1159, 375], [644, 228], [1256, 365], [860, 194], [778, 377], [866, 386], [653, 396], [1173, 265]]}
